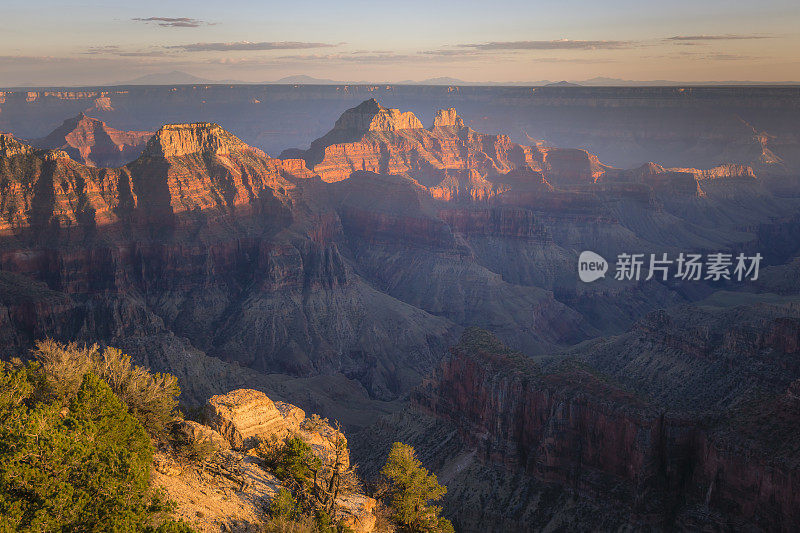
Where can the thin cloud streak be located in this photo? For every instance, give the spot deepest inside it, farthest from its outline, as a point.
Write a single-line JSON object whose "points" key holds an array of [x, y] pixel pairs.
{"points": [[117, 51], [173, 22], [558, 44], [452, 53], [250, 46], [725, 37]]}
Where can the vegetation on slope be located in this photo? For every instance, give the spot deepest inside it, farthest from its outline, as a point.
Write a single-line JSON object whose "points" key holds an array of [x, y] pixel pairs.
{"points": [[78, 431], [73, 455]]}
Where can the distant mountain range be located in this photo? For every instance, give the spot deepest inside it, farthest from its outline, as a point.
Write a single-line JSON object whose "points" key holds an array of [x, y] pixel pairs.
{"points": [[165, 78], [183, 78]]}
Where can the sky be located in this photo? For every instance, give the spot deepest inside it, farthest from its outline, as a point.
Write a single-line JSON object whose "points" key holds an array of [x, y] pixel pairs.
{"points": [[53, 43]]}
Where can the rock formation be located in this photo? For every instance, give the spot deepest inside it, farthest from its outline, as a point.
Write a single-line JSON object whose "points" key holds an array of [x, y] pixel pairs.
{"points": [[448, 118], [232, 489], [245, 416], [178, 140], [576, 442], [91, 142], [372, 116]]}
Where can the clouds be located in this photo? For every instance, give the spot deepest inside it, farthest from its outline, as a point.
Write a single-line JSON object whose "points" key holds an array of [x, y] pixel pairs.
{"points": [[452, 53], [250, 46], [724, 37], [117, 51], [714, 56], [558, 44], [173, 22], [227, 45], [29, 60]]}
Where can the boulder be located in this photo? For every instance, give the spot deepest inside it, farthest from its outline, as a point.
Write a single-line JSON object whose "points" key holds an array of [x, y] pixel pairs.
{"points": [[293, 415], [196, 432], [245, 416], [359, 512]]}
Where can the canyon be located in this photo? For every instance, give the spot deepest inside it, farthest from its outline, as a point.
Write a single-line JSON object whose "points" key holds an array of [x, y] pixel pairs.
{"points": [[341, 277], [697, 127], [559, 444]]}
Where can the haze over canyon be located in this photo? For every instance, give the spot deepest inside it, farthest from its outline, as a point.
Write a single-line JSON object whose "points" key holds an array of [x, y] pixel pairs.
{"points": [[403, 259]]}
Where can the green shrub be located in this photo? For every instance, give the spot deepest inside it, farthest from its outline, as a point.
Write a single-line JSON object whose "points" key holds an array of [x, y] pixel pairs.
{"points": [[294, 463], [411, 489], [310, 503], [286, 517], [82, 465], [323, 522], [150, 397], [283, 505]]}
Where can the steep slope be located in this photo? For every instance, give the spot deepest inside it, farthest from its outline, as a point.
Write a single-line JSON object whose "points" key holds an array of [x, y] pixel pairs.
{"points": [[725, 351], [532, 447], [92, 142], [230, 487]]}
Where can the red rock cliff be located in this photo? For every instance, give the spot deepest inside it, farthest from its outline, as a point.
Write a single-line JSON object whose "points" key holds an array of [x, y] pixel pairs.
{"points": [[573, 428], [93, 143]]}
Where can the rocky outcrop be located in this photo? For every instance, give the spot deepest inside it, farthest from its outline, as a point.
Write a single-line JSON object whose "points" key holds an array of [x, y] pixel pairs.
{"points": [[11, 147], [197, 433], [455, 163], [375, 139], [720, 172], [244, 417], [184, 168], [93, 143], [670, 182], [372, 116], [44, 190], [231, 489], [447, 118], [177, 140], [450, 158], [568, 167]]}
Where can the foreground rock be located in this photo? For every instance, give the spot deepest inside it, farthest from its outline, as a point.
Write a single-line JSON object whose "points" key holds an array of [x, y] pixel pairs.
{"points": [[228, 494], [245, 416], [229, 490]]}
